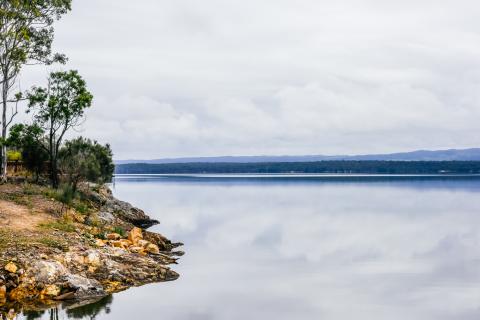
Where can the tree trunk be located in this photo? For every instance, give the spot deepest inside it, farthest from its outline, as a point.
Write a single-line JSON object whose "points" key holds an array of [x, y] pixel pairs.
{"points": [[3, 173]]}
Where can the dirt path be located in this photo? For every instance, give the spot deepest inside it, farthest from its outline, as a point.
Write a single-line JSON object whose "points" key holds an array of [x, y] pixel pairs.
{"points": [[20, 218]]}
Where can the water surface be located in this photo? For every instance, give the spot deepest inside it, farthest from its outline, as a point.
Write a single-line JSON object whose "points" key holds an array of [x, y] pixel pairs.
{"points": [[311, 247]]}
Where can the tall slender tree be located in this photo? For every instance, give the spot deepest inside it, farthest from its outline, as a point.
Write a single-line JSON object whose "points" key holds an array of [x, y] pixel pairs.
{"points": [[58, 108], [26, 36]]}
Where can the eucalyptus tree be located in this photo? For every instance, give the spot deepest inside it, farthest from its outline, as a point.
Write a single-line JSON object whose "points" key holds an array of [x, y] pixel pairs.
{"points": [[58, 108], [26, 36]]}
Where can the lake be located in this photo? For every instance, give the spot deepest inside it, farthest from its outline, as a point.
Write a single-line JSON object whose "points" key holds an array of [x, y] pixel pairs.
{"points": [[307, 247]]}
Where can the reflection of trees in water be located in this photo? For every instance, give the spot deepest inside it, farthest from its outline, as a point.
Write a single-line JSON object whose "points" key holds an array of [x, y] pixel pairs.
{"points": [[89, 311], [32, 315]]}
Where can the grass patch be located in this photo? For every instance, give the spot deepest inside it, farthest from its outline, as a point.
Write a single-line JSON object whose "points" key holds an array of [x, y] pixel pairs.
{"points": [[81, 207], [53, 243], [62, 225]]}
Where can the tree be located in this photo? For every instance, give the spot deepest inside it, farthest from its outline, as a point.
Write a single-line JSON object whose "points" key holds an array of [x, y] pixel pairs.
{"points": [[26, 36], [58, 108], [28, 139], [83, 160]]}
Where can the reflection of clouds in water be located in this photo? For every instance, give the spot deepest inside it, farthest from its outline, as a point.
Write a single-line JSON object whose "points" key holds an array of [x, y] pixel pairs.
{"points": [[307, 251]]}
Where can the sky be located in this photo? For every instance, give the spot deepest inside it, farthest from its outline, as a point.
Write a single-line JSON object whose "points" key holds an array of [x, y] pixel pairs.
{"points": [[175, 78]]}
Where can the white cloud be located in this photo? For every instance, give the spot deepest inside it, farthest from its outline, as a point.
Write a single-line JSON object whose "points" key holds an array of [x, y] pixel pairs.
{"points": [[190, 78]]}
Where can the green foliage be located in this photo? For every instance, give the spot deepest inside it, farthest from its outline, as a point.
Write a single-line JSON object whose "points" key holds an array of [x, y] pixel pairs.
{"points": [[26, 37], [26, 33], [29, 140], [120, 231], [81, 207], [58, 108], [85, 160], [64, 194], [13, 155]]}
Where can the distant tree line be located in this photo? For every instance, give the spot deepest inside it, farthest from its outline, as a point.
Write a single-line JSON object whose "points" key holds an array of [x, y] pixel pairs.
{"points": [[354, 167]]}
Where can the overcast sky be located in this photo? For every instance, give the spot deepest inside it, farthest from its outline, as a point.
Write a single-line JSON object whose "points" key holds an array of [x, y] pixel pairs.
{"points": [[272, 77]]}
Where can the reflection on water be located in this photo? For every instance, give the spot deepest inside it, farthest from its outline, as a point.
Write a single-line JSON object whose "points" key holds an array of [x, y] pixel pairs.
{"points": [[310, 248], [83, 310]]}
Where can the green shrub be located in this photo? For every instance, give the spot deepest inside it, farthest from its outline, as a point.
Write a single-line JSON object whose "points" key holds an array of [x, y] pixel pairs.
{"points": [[120, 231], [81, 207]]}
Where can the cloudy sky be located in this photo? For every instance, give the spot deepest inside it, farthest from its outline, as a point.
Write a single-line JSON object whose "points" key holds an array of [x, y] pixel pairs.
{"points": [[242, 77]]}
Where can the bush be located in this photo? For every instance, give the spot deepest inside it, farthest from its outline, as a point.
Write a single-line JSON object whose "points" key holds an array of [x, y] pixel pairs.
{"points": [[85, 160]]}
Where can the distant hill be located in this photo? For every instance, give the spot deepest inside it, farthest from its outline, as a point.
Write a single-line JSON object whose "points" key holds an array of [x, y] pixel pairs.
{"points": [[419, 155]]}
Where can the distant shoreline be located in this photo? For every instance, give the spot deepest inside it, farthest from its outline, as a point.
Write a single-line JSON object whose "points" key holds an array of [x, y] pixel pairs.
{"points": [[317, 167]]}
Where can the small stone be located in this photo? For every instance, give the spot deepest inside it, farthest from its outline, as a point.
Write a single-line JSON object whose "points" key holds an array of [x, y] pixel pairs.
{"points": [[135, 235], [11, 267], [143, 243], [138, 250], [113, 236], [93, 259], [66, 296], [3, 293], [50, 291], [117, 244], [100, 243], [152, 248]]}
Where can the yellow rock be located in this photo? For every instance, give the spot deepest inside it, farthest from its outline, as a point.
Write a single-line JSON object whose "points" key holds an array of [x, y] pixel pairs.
{"points": [[118, 244], [135, 235], [139, 250], [100, 243], [143, 243], [152, 248], [126, 243], [11, 267], [113, 236], [50, 291], [3, 293], [20, 293]]}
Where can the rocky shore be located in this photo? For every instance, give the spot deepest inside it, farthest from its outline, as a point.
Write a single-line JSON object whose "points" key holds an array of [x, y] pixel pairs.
{"points": [[52, 253]]}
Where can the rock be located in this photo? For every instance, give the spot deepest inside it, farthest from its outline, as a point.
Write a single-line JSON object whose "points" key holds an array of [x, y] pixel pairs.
{"points": [[100, 243], [3, 293], [143, 243], [46, 272], [21, 293], [106, 217], [126, 212], [135, 235], [83, 287], [66, 296], [139, 250], [50, 291], [117, 244], [11, 267], [93, 258], [113, 236], [152, 248]]}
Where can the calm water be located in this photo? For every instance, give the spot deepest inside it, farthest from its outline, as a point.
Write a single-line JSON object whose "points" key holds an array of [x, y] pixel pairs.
{"points": [[308, 248]]}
